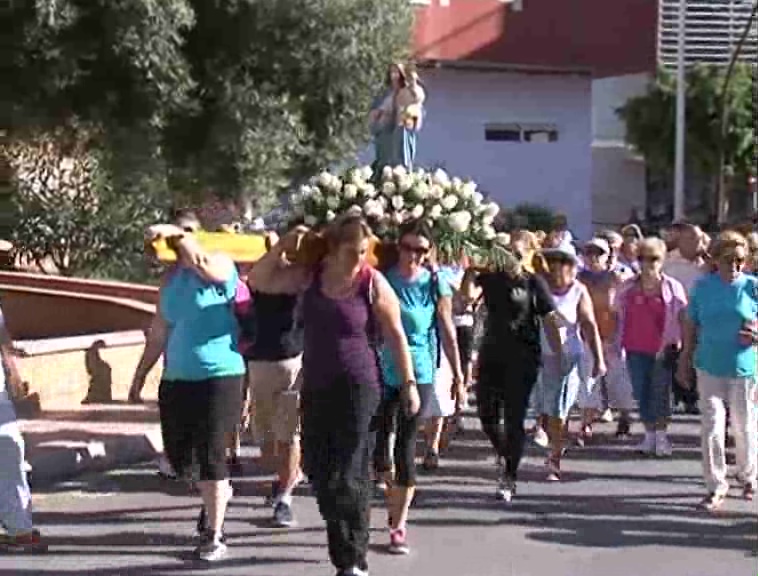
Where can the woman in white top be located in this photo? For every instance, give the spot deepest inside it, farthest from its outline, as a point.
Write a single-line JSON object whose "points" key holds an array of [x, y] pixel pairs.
{"points": [[15, 495], [560, 370]]}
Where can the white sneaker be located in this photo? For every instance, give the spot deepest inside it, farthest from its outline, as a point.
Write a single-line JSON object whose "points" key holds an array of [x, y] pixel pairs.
{"points": [[607, 416], [663, 448], [648, 444], [540, 437]]}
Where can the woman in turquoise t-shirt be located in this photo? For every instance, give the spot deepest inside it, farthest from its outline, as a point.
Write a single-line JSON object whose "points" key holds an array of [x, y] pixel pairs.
{"points": [[720, 340], [200, 394], [426, 310]]}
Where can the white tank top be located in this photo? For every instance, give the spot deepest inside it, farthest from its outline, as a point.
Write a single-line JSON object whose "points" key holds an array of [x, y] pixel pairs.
{"points": [[571, 339]]}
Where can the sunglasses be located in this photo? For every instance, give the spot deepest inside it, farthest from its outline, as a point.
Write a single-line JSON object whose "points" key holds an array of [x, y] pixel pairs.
{"points": [[418, 250], [734, 260], [650, 258]]}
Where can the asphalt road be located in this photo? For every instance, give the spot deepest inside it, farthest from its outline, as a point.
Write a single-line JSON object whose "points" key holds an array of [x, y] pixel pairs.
{"points": [[615, 514]]}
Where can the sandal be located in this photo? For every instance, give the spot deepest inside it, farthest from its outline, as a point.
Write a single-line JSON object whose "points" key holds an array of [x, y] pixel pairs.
{"points": [[553, 466], [431, 461], [713, 502], [748, 492]]}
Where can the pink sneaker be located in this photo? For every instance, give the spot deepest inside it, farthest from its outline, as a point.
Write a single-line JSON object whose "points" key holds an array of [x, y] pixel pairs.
{"points": [[398, 542]]}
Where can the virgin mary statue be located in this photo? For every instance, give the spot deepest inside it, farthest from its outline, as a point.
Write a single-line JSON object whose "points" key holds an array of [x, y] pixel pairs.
{"points": [[395, 119]]}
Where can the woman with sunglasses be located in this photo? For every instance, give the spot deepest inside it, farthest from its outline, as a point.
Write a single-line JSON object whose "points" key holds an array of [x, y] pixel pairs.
{"points": [[345, 303], [720, 339], [426, 312], [561, 379], [650, 308]]}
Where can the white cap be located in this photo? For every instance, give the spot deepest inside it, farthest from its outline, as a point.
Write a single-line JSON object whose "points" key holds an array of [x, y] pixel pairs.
{"points": [[565, 249], [599, 243]]}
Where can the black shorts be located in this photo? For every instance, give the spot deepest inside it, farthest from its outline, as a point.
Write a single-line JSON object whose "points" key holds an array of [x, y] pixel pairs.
{"points": [[465, 336], [195, 417]]}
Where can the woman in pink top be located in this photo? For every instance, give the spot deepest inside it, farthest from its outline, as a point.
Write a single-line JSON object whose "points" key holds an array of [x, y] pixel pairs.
{"points": [[650, 309]]}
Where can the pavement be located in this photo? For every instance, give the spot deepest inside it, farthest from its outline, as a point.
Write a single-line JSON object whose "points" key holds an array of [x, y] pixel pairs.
{"points": [[614, 514], [96, 438]]}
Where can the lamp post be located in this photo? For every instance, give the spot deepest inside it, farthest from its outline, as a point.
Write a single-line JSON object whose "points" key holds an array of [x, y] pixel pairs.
{"points": [[681, 114], [722, 205]]}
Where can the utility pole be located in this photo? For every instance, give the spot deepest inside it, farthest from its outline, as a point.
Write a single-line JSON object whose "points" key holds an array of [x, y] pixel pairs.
{"points": [[681, 114], [722, 204]]}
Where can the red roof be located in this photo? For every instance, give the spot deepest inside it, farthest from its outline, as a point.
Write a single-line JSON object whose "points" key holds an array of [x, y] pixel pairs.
{"points": [[606, 37]]}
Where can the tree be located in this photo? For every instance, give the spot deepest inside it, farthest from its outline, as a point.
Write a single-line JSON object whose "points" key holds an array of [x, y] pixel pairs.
{"points": [[236, 97], [651, 122], [69, 214]]}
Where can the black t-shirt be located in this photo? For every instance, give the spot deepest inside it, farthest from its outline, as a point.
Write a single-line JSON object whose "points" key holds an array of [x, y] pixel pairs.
{"points": [[278, 327], [515, 308]]}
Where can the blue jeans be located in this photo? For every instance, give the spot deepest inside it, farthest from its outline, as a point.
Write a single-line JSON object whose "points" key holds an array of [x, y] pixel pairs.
{"points": [[651, 381]]}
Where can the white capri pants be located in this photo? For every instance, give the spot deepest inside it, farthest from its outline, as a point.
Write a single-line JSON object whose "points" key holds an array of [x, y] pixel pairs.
{"points": [[618, 384], [15, 495]]}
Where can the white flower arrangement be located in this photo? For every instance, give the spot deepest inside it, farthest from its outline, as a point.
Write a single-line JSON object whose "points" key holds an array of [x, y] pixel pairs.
{"points": [[457, 213]]}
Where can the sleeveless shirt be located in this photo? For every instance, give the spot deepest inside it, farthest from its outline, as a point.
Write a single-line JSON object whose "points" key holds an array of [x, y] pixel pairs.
{"points": [[337, 335], [567, 305], [278, 327]]}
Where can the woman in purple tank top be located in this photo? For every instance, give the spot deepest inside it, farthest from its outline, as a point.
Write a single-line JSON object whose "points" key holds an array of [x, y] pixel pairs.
{"points": [[345, 304]]}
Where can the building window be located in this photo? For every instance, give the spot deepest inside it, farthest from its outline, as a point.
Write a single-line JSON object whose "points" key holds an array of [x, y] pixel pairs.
{"points": [[534, 133]]}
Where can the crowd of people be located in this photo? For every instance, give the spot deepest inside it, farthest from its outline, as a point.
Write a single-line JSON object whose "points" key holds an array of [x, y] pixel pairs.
{"points": [[338, 366]]}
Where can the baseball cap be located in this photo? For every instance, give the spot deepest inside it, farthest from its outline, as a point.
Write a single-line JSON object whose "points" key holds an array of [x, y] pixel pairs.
{"points": [[599, 243], [564, 250]]}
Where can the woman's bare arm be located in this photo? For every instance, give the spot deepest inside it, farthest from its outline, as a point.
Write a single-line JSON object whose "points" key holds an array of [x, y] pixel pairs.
{"points": [[448, 336], [273, 275], [588, 324]]}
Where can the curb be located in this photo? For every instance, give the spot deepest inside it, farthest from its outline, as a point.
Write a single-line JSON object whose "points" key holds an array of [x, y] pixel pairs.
{"points": [[59, 461]]}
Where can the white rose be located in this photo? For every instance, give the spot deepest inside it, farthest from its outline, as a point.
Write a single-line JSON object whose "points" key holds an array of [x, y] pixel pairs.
{"points": [[336, 184], [383, 202], [417, 212], [330, 215], [296, 200], [460, 221], [491, 210], [325, 179], [368, 190], [373, 208], [436, 191], [477, 198], [502, 238], [367, 172], [404, 183], [456, 183], [398, 217], [350, 191], [311, 220], [356, 177], [489, 232], [468, 190], [421, 191], [440, 177], [316, 195], [354, 210], [399, 172], [333, 202], [435, 212], [397, 202], [449, 202], [387, 173], [305, 190], [389, 189], [487, 221]]}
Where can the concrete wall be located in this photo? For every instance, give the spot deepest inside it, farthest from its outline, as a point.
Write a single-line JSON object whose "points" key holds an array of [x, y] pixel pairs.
{"points": [[65, 373], [33, 313], [79, 340], [619, 183]]}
